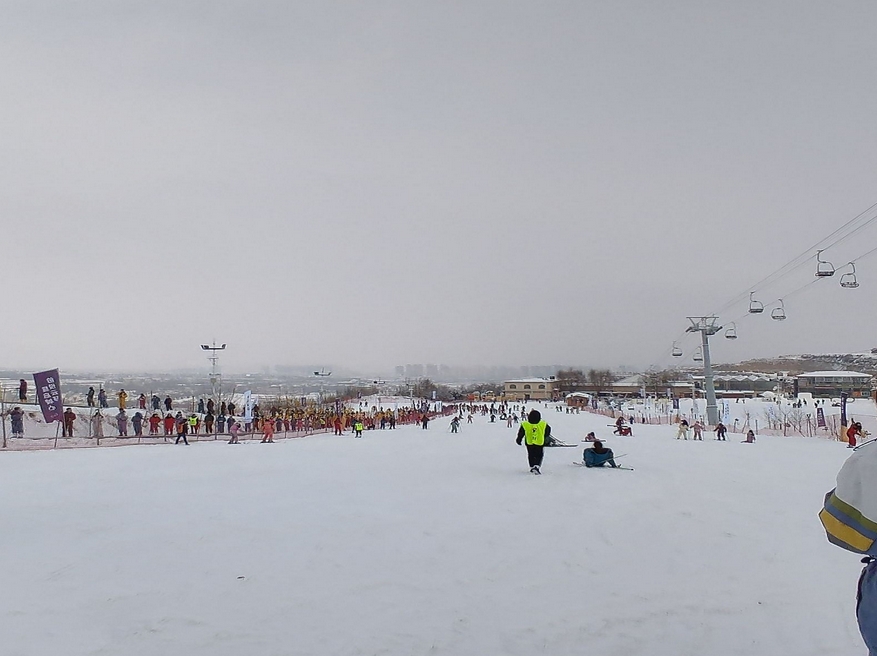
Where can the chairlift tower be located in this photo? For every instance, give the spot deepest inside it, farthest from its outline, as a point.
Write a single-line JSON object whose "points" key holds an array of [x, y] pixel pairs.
{"points": [[215, 377], [707, 326]]}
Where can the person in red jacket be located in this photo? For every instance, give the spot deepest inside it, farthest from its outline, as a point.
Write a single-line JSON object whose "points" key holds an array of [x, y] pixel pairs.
{"points": [[854, 431], [169, 424], [154, 422]]}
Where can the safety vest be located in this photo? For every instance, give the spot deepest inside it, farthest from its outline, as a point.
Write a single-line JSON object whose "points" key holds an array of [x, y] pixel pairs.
{"points": [[193, 421], [357, 426], [534, 433]]}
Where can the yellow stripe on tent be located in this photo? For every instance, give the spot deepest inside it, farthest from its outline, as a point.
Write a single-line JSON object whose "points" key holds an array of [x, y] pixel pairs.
{"points": [[844, 533]]}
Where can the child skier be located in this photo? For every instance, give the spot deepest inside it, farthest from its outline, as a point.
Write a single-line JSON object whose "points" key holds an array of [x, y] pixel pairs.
{"points": [[534, 431]]}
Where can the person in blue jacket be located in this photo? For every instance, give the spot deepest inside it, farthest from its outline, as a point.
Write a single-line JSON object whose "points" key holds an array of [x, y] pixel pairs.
{"points": [[598, 455]]}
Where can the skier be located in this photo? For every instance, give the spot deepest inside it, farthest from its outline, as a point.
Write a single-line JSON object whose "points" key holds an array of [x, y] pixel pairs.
{"points": [[220, 424], [102, 398], [182, 429], [17, 416], [201, 409], [233, 429], [268, 431], [97, 424], [336, 423], [156, 402], [535, 431], [698, 431], [847, 516], [169, 424], [122, 423], [598, 455], [208, 422], [683, 430], [720, 432], [137, 422], [357, 428], [455, 424], [855, 430], [424, 421], [69, 418], [22, 390], [89, 397]]}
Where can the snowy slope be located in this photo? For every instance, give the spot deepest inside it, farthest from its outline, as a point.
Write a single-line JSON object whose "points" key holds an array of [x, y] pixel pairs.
{"points": [[422, 542]]}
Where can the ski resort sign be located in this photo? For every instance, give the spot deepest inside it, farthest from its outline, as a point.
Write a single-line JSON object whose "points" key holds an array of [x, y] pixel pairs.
{"points": [[48, 384]]}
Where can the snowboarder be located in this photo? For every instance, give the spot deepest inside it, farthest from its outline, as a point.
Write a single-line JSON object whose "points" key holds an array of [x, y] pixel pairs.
{"points": [[598, 455], [534, 431]]}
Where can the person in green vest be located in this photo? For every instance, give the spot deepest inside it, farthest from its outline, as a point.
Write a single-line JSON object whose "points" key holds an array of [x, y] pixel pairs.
{"points": [[357, 428], [536, 433]]}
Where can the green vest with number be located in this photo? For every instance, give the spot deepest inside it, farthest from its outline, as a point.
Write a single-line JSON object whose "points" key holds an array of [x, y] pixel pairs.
{"points": [[534, 433]]}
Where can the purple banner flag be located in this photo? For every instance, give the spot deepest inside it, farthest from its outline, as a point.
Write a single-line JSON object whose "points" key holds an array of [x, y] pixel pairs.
{"points": [[48, 385], [820, 418]]}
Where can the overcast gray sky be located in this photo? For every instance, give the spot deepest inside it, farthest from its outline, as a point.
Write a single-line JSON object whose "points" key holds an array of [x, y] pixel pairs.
{"points": [[375, 183]]}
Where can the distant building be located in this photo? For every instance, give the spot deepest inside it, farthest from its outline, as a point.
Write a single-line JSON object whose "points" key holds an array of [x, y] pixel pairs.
{"points": [[832, 383], [530, 389]]}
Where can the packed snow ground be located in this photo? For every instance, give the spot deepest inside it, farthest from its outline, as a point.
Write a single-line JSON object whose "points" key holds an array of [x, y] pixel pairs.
{"points": [[422, 542]]}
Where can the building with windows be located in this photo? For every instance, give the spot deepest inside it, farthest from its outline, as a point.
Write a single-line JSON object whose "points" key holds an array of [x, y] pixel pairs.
{"points": [[530, 389], [829, 384]]}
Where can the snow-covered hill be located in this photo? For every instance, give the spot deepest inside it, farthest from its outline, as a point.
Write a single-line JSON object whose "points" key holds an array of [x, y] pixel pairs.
{"points": [[422, 542]]}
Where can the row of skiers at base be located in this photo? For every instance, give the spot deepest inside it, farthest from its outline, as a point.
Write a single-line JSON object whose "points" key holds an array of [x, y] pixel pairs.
{"points": [[720, 430], [535, 433], [155, 402]]}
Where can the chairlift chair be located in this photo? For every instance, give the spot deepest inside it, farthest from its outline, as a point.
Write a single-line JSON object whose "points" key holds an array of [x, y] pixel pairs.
{"points": [[676, 352], [824, 269], [731, 331], [779, 313], [698, 354], [755, 307], [848, 280]]}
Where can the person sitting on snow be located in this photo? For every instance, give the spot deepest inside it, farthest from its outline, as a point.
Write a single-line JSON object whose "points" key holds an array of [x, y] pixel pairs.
{"points": [[598, 455]]}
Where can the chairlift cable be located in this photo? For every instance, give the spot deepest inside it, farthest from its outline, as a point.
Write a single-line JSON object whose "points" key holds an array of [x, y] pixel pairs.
{"points": [[805, 256]]}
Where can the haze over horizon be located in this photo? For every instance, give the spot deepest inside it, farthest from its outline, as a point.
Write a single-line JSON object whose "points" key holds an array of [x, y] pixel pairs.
{"points": [[374, 184]]}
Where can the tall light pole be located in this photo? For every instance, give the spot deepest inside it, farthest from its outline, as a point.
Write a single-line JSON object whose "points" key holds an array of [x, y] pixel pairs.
{"points": [[215, 378], [707, 326]]}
